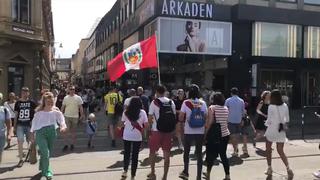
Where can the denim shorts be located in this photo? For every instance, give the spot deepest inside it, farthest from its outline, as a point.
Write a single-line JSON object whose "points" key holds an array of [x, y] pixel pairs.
{"points": [[2, 142], [23, 131]]}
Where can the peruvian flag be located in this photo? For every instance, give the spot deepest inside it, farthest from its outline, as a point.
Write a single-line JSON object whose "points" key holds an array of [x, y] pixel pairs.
{"points": [[138, 56]]}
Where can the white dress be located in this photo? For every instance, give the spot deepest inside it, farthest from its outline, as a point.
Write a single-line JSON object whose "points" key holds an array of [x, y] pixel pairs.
{"points": [[276, 115]]}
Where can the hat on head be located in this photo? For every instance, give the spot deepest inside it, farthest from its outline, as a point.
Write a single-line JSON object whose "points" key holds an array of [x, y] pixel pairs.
{"points": [[25, 89]]}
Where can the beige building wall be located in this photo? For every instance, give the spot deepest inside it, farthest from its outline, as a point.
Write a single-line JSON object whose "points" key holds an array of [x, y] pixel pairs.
{"points": [[22, 46]]}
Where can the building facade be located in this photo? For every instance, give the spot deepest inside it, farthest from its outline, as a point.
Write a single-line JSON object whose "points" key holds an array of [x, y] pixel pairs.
{"points": [[255, 45], [77, 62], [63, 72], [26, 45]]}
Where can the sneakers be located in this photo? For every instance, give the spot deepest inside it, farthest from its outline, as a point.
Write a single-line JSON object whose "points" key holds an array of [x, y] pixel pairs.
{"points": [[183, 175], [227, 177], [317, 174], [124, 174], [71, 147], [20, 164], [269, 171], [151, 176], [113, 143], [65, 148], [290, 174]]}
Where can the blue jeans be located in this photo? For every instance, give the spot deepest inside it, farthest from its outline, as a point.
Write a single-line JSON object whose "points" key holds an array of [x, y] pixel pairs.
{"points": [[23, 131]]}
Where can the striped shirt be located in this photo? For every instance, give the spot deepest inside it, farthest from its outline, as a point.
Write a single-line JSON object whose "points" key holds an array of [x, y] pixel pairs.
{"points": [[221, 114]]}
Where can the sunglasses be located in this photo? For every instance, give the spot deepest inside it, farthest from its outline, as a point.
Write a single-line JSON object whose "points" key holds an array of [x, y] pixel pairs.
{"points": [[71, 89]]}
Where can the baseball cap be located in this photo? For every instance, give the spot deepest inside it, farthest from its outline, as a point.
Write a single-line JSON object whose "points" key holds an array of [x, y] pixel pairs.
{"points": [[25, 89]]}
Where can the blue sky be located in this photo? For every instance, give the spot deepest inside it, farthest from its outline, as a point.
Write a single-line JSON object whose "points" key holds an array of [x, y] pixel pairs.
{"points": [[73, 19]]}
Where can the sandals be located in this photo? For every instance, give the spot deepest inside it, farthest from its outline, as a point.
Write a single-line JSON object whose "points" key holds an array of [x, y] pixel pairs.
{"points": [[20, 164]]}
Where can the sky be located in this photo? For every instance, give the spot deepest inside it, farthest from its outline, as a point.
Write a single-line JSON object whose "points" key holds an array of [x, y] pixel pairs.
{"points": [[72, 21]]}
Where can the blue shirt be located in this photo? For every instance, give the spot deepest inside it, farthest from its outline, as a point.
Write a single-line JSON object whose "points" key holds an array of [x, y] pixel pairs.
{"points": [[91, 127], [236, 109], [4, 115]]}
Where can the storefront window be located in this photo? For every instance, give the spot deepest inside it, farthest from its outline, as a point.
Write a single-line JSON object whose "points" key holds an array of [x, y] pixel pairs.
{"points": [[277, 40], [312, 2], [312, 42]]}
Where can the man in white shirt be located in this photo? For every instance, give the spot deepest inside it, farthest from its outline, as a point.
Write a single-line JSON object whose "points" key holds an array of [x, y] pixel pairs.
{"points": [[161, 129], [132, 92], [71, 106]]}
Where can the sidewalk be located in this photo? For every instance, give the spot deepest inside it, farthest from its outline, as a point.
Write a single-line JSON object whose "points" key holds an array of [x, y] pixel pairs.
{"points": [[104, 162]]}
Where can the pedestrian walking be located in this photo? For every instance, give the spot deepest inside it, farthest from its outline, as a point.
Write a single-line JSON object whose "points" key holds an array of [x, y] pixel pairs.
{"points": [[134, 120], [91, 129], [193, 115], [179, 129], [236, 112], [5, 126], [60, 98], [112, 100], [145, 105], [43, 129], [217, 134], [10, 106], [278, 118], [24, 109], [162, 118], [85, 105], [132, 93], [71, 107], [262, 111]]}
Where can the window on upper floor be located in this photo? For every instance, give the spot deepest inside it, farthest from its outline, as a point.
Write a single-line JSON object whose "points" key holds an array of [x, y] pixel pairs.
{"points": [[312, 42], [293, 1], [132, 6], [138, 3], [276, 40], [312, 2], [21, 11]]}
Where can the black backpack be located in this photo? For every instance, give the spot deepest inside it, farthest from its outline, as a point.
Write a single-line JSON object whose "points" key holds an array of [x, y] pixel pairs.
{"points": [[167, 119], [118, 108]]}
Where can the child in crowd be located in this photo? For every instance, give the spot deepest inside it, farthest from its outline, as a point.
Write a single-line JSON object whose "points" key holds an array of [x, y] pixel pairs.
{"points": [[91, 129]]}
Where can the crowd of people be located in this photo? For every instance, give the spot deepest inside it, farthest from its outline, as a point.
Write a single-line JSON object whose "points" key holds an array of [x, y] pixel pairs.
{"points": [[209, 121]]}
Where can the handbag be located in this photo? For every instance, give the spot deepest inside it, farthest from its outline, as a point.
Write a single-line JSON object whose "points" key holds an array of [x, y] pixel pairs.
{"points": [[33, 154], [214, 132], [282, 126], [119, 132]]}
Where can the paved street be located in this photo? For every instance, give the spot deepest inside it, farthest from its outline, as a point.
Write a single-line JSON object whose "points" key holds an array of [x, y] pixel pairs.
{"points": [[104, 162]]}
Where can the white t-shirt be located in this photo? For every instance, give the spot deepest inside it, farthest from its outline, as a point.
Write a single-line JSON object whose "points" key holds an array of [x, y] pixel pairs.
{"points": [[72, 104], [130, 133], [127, 102], [43, 119], [154, 111], [185, 109], [10, 106]]}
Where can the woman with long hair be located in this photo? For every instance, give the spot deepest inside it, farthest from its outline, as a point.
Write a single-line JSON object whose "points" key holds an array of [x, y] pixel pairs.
{"points": [[262, 111], [134, 119], [217, 146], [43, 129], [278, 117]]}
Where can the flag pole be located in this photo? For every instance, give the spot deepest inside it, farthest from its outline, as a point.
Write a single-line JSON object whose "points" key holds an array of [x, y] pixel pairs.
{"points": [[158, 61]]}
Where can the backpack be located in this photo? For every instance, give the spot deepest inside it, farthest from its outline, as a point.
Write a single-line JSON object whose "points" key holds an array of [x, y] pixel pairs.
{"points": [[197, 117], [167, 119], [118, 108]]}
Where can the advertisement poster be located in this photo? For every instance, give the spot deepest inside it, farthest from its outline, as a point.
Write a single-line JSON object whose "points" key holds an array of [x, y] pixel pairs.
{"points": [[195, 36]]}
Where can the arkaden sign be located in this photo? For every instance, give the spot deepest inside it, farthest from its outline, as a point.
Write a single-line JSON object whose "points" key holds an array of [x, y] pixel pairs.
{"points": [[187, 9]]}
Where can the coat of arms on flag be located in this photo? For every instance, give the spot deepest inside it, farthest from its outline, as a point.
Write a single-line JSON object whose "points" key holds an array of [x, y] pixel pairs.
{"points": [[132, 57]]}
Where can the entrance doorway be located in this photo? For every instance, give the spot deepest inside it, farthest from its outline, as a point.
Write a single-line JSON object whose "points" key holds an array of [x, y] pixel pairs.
{"points": [[278, 79], [311, 88], [15, 78]]}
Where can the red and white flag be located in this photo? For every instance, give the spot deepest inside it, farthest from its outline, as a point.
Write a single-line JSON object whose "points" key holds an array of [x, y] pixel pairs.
{"points": [[138, 56]]}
